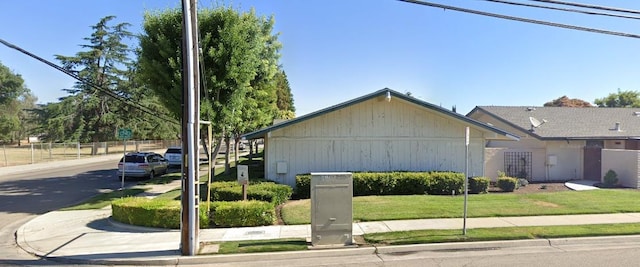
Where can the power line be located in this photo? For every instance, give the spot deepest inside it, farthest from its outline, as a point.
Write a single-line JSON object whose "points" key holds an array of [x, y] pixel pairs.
{"points": [[92, 84], [562, 9], [589, 6], [540, 22]]}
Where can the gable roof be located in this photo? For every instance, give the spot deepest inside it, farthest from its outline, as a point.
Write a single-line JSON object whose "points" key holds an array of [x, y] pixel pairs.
{"points": [[386, 92], [568, 122]]}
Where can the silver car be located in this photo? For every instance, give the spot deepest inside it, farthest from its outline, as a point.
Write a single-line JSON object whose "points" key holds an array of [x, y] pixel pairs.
{"points": [[142, 164]]}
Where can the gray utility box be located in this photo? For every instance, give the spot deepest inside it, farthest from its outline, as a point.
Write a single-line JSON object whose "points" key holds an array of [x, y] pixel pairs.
{"points": [[331, 208]]}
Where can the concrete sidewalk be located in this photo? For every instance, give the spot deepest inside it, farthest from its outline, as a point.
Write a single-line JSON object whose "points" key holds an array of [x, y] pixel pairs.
{"points": [[91, 237]]}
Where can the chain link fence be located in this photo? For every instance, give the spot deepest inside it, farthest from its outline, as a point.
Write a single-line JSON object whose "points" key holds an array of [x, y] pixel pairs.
{"points": [[45, 152]]}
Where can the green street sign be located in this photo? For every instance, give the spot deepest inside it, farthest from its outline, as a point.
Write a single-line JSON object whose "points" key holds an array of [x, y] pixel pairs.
{"points": [[125, 133]]}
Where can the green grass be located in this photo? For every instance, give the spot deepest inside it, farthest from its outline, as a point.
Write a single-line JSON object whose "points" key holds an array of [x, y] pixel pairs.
{"points": [[378, 208], [506, 233], [104, 200], [253, 246]]}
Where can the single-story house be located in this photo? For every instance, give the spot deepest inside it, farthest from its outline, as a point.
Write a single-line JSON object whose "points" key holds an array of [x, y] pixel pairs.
{"points": [[382, 131], [563, 143]]}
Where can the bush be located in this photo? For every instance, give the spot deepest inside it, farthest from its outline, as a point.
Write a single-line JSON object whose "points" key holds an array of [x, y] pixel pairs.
{"points": [[394, 183], [610, 178], [263, 191], [243, 213], [303, 186], [507, 184], [445, 183], [479, 185], [158, 213]]}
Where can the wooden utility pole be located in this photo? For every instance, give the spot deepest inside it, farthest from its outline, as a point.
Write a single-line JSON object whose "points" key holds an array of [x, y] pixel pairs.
{"points": [[189, 226]]}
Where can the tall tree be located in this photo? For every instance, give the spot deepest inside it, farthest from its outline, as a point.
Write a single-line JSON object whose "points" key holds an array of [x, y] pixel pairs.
{"points": [[286, 109], [622, 99], [565, 101], [12, 89], [238, 62], [104, 64]]}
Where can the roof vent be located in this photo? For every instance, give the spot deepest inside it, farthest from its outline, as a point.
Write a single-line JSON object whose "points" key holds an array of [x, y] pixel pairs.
{"points": [[636, 113], [531, 109], [617, 127]]}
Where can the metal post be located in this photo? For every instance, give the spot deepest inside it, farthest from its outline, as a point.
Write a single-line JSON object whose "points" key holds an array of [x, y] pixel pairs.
{"points": [[4, 150], [466, 179], [124, 162], [32, 159], [78, 150], [191, 110]]}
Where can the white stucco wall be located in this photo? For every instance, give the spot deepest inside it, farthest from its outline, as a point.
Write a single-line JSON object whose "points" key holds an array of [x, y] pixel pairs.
{"points": [[625, 163]]}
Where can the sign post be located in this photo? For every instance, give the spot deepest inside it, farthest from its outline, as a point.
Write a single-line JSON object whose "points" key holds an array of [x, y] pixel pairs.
{"points": [[243, 179], [466, 179], [124, 134]]}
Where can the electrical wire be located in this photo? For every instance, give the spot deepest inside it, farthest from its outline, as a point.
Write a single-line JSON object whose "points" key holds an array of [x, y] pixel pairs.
{"points": [[540, 22], [92, 84], [589, 6], [563, 9]]}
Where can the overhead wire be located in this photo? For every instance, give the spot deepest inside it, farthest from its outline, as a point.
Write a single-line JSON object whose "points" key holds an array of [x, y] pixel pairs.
{"points": [[621, 10], [540, 22], [563, 9], [92, 84]]}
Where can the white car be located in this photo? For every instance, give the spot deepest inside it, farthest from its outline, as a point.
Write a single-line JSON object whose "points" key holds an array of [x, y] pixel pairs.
{"points": [[174, 156], [142, 164]]}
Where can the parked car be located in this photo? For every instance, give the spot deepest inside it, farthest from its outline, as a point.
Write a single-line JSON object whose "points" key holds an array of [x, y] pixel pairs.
{"points": [[174, 156], [142, 164]]}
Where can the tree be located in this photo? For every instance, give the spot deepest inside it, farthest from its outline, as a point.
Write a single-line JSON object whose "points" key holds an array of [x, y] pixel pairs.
{"points": [[93, 114], [12, 90], [286, 109], [565, 101], [622, 99], [108, 95], [238, 62]]}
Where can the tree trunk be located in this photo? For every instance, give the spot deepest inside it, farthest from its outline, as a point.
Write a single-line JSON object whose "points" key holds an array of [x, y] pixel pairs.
{"points": [[227, 167]]}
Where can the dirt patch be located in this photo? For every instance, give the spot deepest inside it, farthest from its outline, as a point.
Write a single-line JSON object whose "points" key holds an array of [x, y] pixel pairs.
{"points": [[534, 188], [546, 204]]}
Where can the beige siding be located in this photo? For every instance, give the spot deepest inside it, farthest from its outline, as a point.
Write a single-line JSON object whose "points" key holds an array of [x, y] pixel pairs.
{"points": [[373, 136], [625, 163]]}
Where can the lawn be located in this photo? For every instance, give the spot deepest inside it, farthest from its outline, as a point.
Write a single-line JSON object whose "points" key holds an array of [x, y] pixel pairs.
{"points": [[378, 208]]}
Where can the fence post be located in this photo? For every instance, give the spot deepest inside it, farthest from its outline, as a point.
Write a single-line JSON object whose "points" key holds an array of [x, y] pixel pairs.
{"points": [[32, 159], [78, 150]]}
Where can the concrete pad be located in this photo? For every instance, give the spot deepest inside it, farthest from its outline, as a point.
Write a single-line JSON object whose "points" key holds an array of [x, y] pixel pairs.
{"points": [[252, 233], [487, 222], [581, 185], [409, 225], [295, 231], [370, 227]]}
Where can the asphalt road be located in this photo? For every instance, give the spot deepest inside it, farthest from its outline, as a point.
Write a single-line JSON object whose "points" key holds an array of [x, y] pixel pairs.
{"points": [[24, 196]]}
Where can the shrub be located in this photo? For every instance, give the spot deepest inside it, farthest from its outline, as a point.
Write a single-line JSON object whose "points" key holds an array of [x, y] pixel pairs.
{"points": [[159, 213], [445, 183], [263, 191], [507, 184], [610, 178], [410, 183], [243, 213], [479, 185], [303, 186]]}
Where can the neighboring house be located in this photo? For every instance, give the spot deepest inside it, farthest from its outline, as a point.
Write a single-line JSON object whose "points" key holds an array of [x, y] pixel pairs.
{"points": [[563, 143], [382, 131]]}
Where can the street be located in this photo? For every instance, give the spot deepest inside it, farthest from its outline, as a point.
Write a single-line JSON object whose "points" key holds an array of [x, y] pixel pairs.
{"points": [[24, 196]]}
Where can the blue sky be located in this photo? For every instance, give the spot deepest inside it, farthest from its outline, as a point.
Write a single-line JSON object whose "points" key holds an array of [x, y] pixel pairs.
{"points": [[334, 51]]}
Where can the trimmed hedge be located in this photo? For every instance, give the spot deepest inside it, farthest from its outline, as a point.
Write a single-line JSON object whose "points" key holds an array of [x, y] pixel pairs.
{"points": [[263, 191], [479, 185], [159, 213], [243, 213], [507, 184], [393, 183], [165, 213]]}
